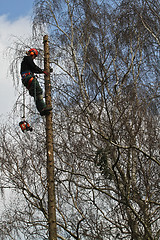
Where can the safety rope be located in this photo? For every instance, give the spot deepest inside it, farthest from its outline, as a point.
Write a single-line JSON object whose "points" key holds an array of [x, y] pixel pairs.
{"points": [[35, 97], [23, 117], [24, 125]]}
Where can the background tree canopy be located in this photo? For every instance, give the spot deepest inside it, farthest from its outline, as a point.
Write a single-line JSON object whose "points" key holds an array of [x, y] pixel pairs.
{"points": [[106, 91]]}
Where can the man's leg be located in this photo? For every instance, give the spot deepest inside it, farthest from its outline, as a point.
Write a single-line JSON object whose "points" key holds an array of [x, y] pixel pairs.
{"points": [[37, 93], [40, 104]]}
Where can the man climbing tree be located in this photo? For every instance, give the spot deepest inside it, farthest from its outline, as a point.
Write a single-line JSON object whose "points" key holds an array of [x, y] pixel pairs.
{"points": [[28, 68]]}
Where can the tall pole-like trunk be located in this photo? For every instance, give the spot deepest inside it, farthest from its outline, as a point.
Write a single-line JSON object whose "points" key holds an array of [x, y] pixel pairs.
{"points": [[49, 143]]}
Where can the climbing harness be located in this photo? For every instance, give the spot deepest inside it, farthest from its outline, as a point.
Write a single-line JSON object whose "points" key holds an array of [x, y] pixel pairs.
{"points": [[30, 80]]}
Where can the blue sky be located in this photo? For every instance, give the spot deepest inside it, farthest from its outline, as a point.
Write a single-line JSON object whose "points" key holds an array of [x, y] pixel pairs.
{"points": [[15, 9], [15, 20]]}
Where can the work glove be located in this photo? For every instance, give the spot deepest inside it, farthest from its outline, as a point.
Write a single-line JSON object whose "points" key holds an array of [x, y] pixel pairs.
{"points": [[46, 73]]}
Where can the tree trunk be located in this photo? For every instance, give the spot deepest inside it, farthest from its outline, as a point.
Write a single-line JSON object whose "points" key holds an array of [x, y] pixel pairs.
{"points": [[49, 143]]}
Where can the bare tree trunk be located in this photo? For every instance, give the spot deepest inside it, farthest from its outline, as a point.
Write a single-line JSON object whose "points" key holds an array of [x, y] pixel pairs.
{"points": [[49, 142]]}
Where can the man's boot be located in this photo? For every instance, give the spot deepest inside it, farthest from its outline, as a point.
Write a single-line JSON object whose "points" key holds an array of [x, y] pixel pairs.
{"points": [[45, 111]]}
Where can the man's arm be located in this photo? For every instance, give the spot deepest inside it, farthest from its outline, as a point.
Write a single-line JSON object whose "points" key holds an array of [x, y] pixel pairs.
{"points": [[33, 67]]}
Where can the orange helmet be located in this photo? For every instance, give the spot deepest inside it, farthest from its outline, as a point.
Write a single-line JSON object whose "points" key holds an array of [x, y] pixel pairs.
{"points": [[33, 51]]}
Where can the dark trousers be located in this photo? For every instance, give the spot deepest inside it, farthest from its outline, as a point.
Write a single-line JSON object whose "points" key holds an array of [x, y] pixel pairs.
{"points": [[35, 91]]}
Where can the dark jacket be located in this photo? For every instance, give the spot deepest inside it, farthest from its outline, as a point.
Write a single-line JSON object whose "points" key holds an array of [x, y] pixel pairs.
{"points": [[28, 65]]}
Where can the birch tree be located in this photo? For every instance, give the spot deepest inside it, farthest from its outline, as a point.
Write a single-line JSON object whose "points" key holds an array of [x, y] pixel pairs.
{"points": [[106, 121]]}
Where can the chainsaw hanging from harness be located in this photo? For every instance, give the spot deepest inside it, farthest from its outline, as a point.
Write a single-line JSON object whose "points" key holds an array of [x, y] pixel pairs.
{"points": [[24, 125]]}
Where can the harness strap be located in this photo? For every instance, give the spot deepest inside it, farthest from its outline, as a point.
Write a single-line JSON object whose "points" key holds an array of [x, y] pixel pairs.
{"points": [[29, 83], [24, 74]]}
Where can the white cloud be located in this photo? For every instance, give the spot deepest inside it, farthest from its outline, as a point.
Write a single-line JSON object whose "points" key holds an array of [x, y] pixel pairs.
{"points": [[20, 28]]}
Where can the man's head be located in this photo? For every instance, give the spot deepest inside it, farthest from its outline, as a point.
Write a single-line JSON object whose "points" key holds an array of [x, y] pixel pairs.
{"points": [[33, 52]]}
